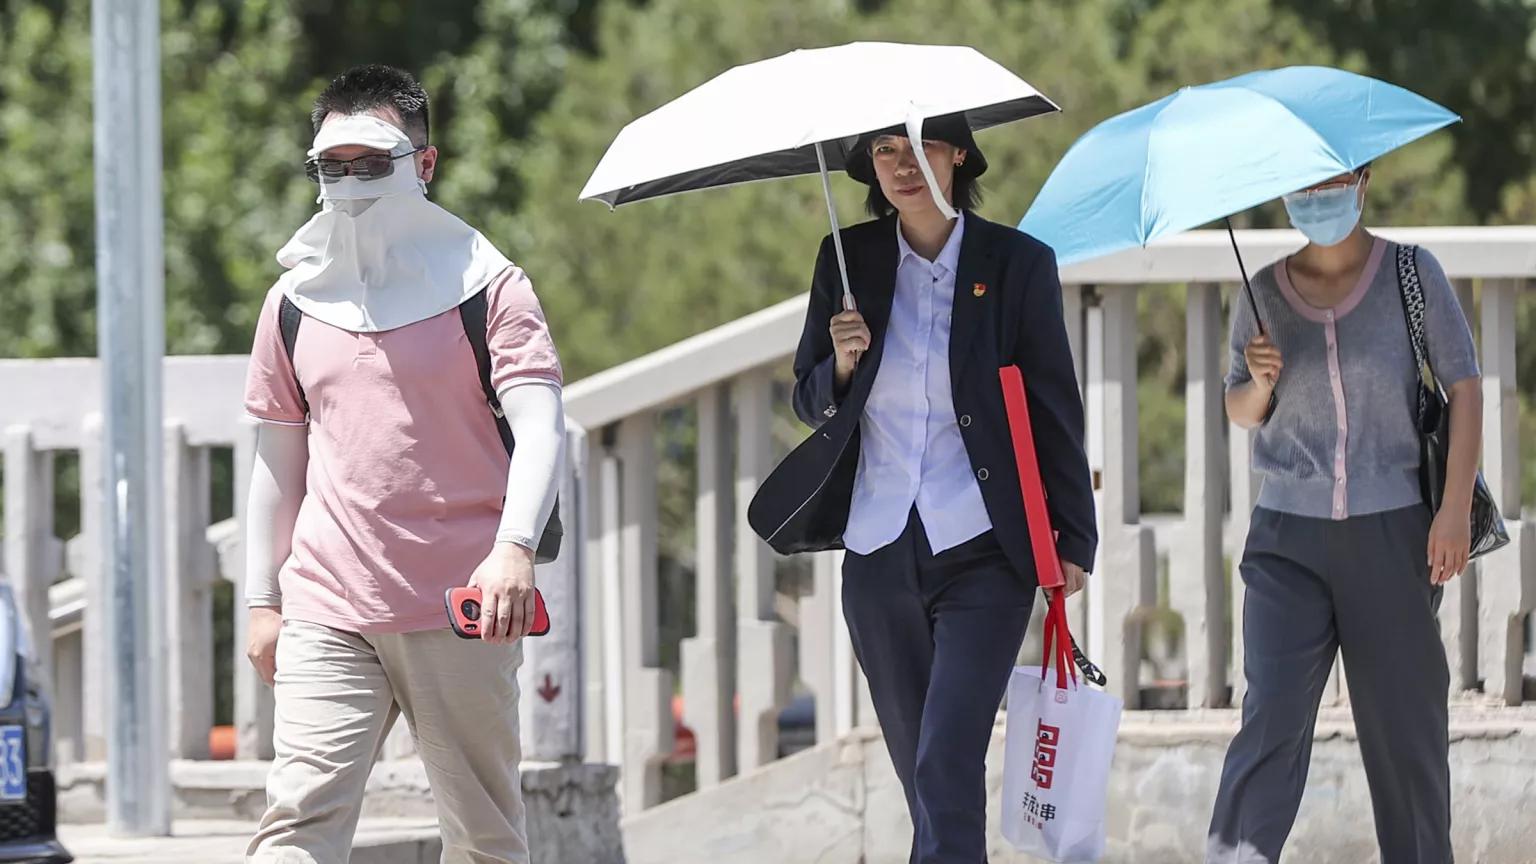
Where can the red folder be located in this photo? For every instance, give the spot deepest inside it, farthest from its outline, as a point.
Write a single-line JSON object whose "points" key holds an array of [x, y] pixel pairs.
{"points": [[1042, 538]]}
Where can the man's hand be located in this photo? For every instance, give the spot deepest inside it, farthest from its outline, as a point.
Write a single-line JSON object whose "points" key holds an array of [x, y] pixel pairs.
{"points": [[266, 622], [505, 580], [1075, 576]]}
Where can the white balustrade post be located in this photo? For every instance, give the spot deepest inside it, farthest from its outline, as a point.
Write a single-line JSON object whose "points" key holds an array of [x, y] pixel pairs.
{"points": [[189, 595], [611, 553], [647, 687], [1126, 581], [29, 540], [709, 658], [1458, 601], [551, 675], [1245, 495], [594, 599], [1506, 592], [765, 651], [818, 654], [253, 698], [1074, 313], [1197, 579], [93, 643]]}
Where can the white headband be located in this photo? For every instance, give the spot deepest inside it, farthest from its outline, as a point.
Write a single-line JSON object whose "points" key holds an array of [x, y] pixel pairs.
{"points": [[364, 130]]}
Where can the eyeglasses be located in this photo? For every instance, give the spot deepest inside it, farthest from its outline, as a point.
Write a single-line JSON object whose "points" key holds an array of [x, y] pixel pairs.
{"points": [[374, 166], [1330, 186]]}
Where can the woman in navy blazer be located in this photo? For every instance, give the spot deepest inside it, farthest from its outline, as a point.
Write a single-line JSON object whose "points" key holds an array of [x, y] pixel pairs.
{"points": [[911, 466]]}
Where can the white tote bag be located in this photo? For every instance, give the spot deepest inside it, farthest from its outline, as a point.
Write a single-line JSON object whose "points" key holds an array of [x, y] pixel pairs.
{"points": [[1061, 740]]}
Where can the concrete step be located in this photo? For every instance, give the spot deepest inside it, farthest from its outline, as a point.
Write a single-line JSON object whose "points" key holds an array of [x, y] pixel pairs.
{"points": [[223, 841], [573, 809], [840, 802]]}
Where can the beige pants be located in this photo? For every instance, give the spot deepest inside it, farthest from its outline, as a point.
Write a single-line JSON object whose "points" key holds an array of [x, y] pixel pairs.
{"points": [[337, 696]]}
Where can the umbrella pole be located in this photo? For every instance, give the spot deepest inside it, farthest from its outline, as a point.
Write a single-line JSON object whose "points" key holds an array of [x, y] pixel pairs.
{"points": [[1274, 397], [837, 236], [1247, 287]]}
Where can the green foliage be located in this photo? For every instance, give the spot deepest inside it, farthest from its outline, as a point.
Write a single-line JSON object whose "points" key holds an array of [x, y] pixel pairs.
{"points": [[527, 95], [237, 79]]}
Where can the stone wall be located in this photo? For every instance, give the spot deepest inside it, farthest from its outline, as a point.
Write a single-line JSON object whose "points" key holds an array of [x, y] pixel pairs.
{"points": [[840, 803]]}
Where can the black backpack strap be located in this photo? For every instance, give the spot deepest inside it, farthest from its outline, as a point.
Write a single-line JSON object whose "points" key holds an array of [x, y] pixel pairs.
{"points": [[288, 318], [473, 313]]}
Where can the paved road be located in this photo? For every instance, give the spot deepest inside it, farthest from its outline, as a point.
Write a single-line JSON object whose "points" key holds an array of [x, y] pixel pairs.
{"points": [[208, 841]]}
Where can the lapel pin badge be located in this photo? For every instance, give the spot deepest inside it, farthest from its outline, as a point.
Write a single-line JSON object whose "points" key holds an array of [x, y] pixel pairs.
{"points": [[978, 289]]}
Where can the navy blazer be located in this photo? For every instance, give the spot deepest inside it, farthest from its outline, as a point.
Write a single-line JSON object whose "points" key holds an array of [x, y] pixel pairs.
{"points": [[1007, 311]]}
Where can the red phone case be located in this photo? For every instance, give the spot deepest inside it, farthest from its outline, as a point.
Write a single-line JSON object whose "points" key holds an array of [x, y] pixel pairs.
{"points": [[463, 606]]}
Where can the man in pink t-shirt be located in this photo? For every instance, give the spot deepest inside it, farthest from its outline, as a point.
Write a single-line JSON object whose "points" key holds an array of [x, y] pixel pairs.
{"points": [[382, 480]]}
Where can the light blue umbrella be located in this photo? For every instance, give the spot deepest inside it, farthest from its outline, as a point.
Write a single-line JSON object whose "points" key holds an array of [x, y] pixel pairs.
{"points": [[1207, 152]]}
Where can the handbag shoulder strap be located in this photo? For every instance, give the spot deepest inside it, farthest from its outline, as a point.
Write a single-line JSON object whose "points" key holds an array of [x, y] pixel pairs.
{"points": [[1412, 294]]}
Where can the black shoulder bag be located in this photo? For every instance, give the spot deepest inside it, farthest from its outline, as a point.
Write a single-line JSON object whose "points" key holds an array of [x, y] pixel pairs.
{"points": [[1434, 419]]}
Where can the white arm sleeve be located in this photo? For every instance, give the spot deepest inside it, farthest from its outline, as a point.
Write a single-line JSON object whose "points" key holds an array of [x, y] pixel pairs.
{"points": [[272, 508], [537, 417]]}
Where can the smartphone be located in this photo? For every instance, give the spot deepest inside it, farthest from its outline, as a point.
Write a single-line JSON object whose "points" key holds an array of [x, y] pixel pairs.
{"points": [[464, 612]]}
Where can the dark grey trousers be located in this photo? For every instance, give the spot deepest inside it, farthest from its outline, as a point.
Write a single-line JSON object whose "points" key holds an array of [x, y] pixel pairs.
{"points": [[1316, 587], [937, 636]]}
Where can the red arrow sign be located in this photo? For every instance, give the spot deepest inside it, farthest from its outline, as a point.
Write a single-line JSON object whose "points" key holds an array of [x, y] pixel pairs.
{"points": [[548, 690]]}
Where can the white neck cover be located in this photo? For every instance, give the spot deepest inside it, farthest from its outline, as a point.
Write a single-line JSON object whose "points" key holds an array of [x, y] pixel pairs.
{"points": [[379, 255]]}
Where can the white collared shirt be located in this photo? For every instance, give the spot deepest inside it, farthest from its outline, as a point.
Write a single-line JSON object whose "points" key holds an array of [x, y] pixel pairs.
{"points": [[911, 451]]}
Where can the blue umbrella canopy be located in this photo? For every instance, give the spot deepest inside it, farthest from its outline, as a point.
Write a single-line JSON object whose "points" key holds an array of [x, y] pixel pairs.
{"points": [[1206, 152]]}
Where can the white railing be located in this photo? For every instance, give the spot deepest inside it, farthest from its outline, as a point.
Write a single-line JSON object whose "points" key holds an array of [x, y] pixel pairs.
{"points": [[723, 392], [725, 379]]}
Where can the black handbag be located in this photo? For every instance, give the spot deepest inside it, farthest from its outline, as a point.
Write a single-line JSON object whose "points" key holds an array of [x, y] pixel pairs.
{"points": [[1434, 419]]}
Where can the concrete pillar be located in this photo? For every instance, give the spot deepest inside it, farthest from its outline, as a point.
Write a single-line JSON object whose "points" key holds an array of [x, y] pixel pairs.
{"points": [[253, 698], [31, 556], [93, 646], [612, 643], [189, 595], [819, 632], [551, 675], [1197, 578], [1245, 494], [595, 632], [709, 658], [1126, 581], [765, 647], [648, 729], [1506, 593]]}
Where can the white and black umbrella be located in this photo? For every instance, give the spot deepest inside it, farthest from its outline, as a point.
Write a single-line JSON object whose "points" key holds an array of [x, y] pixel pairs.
{"points": [[801, 113]]}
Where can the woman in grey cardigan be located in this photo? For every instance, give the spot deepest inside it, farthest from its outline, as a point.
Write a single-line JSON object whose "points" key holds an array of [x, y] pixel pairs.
{"points": [[1343, 554]]}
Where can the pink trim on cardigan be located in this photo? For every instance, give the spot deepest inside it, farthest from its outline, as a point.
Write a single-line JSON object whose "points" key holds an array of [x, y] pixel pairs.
{"points": [[1345, 306]]}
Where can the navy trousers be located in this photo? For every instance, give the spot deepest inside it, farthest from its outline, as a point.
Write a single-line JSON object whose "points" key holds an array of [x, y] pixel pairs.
{"points": [[937, 636]]}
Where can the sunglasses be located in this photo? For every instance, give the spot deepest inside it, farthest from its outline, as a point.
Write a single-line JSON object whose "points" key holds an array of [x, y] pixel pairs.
{"points": [[374, 166]]}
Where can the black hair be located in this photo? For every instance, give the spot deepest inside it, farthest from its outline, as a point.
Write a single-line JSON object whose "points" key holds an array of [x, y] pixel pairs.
{"points": [[965, 191], [365, 88]]}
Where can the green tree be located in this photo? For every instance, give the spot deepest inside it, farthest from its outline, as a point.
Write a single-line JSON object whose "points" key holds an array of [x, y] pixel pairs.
{"points": [[237, 77]]}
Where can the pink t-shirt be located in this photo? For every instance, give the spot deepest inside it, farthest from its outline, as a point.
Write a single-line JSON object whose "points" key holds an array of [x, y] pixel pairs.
{"points": [[406, 469]]}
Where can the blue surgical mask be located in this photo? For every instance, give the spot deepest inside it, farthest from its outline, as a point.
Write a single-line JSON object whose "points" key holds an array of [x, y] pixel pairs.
{"points": [[1325, 216]]}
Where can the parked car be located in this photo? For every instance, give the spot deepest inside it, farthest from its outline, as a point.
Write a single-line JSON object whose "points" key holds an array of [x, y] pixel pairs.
{"points": [[28, 823]]}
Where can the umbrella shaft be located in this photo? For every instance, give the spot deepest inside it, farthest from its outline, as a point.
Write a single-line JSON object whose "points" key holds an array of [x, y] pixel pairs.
{"points": [[837, 236]]}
